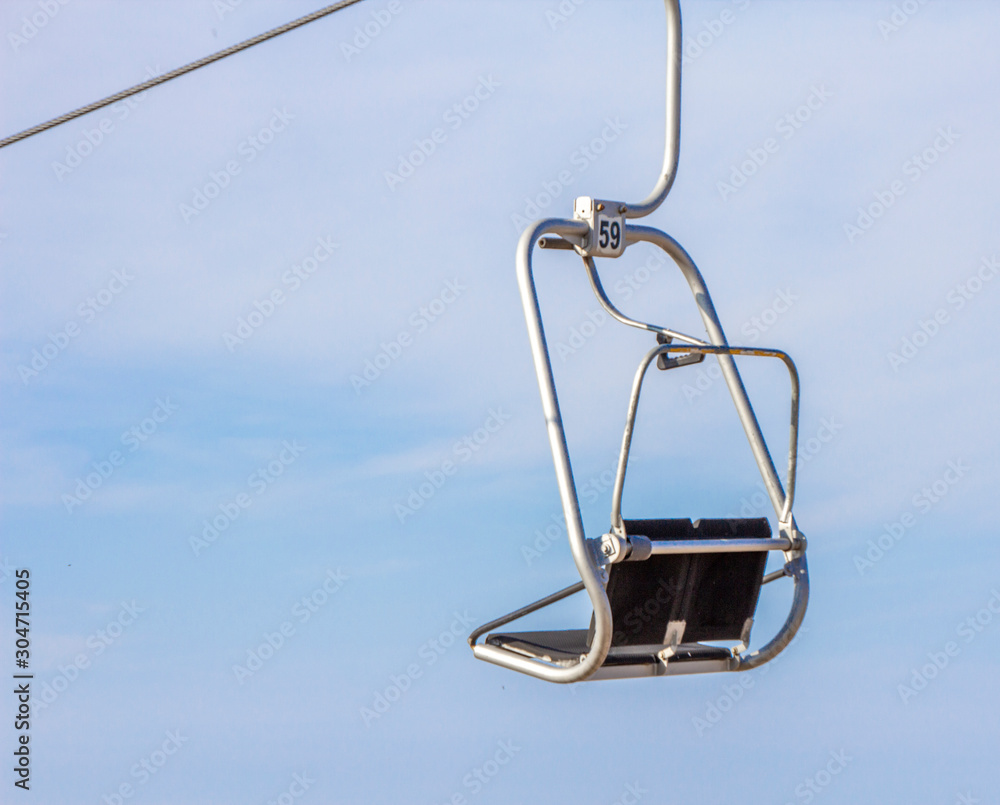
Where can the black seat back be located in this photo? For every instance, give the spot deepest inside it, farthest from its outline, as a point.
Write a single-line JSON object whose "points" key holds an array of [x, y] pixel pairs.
{"points": [[713, 594]]}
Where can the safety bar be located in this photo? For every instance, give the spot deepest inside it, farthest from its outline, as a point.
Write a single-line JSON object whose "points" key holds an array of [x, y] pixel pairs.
{"points": [[662, 547], [717, 338], [784, 513]]}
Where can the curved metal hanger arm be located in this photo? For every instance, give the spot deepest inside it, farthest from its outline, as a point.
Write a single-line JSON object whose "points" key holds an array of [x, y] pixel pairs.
{"points": [[672, 139]]}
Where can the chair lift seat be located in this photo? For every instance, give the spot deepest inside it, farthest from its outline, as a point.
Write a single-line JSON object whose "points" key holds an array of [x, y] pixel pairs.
{"points": [[668, 601], [656, 610]]}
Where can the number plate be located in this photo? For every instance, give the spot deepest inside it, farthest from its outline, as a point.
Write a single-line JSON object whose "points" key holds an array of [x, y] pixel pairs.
{"points": [[607, 226]]}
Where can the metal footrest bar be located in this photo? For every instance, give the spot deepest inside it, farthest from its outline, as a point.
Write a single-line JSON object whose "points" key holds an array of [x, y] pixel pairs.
{"points": [[566, 592]]}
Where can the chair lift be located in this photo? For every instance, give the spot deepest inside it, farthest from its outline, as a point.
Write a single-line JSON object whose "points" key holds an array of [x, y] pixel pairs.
{"points": [[695, 582]]}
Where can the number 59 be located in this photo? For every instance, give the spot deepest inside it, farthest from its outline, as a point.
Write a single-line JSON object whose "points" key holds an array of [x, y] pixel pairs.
{"points": [[609, 234]]}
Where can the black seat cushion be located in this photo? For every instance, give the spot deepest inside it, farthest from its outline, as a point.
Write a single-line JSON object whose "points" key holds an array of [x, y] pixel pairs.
{"points": [[568, 644]]}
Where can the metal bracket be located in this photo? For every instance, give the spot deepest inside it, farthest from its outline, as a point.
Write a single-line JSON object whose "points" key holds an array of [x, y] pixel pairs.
{"points": [[744, 638], [796, 538], [606, 220], [664, 362], [672, 639], [613, 548]]}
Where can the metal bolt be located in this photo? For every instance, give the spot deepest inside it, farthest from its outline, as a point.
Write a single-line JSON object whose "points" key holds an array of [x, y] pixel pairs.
{"points": [[600, 207], [622, 208]]}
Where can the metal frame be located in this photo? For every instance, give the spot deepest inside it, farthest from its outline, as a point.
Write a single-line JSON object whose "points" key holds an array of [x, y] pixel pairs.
{"points": [[591, 557]]}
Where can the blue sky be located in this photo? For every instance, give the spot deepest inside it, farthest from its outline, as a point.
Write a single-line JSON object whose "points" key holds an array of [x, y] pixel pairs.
{"points": [[207, 274]]}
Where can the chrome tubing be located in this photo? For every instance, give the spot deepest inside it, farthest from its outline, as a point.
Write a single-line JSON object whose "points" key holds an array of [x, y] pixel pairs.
{"points": [[615, 313], [672, 139], [571, 234], [799, 571], [793, 448], [666, 547], [590, 573], [795, 565], [729, 371], [566, 592]]}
